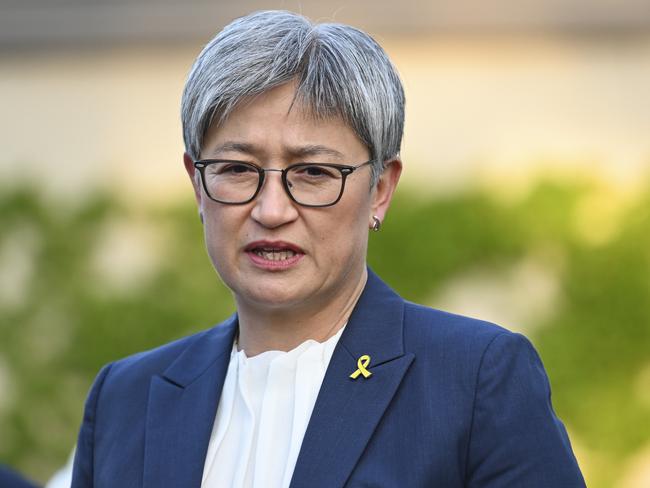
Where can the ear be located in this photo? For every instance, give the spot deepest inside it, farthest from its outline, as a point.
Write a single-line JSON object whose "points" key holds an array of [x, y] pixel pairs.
{"points": [[194, 177], [383, 191]]}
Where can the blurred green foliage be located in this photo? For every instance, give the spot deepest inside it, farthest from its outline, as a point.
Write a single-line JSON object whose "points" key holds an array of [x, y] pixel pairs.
{"points": [[60, 320]]}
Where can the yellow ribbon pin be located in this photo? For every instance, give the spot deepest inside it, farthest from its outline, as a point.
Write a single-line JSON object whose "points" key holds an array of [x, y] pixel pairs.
{"points": [[362, 363]]}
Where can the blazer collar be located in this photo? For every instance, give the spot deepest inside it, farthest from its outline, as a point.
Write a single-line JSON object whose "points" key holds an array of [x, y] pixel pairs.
{"points": [[375, 325], [202, 354], [181, 410], [347, 411]]}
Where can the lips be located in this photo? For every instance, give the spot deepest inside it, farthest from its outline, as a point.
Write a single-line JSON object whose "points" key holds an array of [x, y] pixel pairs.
{"points": [[276, 252]]}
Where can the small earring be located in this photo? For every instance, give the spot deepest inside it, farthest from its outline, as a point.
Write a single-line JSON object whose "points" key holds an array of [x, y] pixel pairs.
{"points": [[201, 216], [376, 223]]}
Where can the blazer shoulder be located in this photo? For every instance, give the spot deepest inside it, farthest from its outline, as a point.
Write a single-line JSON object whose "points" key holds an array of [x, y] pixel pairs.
{"points": [[456, 339], [143, 365], [424, 323]]}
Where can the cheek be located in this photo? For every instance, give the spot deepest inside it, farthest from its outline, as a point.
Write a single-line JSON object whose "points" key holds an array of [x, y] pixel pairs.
{"points": [[219, 237], [344, 237], [215, 248]]}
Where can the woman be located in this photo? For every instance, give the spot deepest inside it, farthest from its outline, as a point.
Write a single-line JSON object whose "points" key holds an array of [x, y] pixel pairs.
{"points": [[324, 377]]}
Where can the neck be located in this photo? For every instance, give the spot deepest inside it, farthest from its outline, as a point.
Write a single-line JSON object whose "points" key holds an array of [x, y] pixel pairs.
{"points": [[263, 330]]}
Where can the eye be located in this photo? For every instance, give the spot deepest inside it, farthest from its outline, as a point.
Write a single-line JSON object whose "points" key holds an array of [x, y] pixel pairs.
{"points": [[316, 171], [237, 168], [231, 168]]}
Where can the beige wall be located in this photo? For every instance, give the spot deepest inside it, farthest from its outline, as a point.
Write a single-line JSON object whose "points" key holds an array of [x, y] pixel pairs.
{"points": [[479, 109]]}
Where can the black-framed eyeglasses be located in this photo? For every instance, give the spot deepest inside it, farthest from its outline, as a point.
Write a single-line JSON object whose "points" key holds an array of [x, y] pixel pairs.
{"points": [[308, 184]]}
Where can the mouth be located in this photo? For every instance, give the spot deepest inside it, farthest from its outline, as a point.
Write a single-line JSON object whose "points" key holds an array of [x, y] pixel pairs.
{"points": [[276, 253]]}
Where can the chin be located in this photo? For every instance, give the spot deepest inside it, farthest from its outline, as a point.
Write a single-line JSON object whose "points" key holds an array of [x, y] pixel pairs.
{"points": [[271, 290], [272, 300]]}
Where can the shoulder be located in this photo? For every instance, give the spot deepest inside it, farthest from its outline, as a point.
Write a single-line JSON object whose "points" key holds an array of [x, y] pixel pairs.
{"points": [[461, 347], [427, 325], [132, 374], [156, 360]]}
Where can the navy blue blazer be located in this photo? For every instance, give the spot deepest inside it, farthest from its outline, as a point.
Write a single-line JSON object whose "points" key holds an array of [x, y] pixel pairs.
{"points": [[452, 402], [12, 479]]}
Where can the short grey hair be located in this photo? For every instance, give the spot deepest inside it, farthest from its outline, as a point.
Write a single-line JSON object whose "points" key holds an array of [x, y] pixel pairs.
{"points": [[340, 70]]}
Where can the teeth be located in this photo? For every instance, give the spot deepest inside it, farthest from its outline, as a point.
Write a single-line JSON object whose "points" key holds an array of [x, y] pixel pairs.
{"points": [[275, 255]]}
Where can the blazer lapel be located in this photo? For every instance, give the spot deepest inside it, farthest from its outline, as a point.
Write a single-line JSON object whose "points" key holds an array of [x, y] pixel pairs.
{"points": [[182, 407], [348, 410]]}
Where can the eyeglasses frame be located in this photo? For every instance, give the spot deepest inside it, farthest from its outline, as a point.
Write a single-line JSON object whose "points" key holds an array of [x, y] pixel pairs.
{"points": [[345, 169]]}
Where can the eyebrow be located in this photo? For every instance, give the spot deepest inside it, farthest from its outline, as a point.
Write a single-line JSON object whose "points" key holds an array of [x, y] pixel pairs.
{"points": [[228, 146], [295, 152], [315, 150]]}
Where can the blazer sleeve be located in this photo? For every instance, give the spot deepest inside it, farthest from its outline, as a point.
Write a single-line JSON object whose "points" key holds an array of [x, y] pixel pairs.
{"points": [[516, 438], [82, 471]]}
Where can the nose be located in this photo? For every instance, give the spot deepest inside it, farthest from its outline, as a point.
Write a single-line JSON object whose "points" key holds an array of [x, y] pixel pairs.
{"points": [[272, 206]]}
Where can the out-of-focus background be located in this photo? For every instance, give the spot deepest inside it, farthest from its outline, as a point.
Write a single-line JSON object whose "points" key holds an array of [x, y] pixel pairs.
{"points": [[525, 198]]}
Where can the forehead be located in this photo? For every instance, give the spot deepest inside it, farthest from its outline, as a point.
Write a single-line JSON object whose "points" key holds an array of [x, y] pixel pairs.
{"points": [[277, 121]]}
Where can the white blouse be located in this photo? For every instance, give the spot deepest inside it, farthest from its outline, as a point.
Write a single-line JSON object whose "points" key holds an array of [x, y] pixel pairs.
{"points": [[265, 405]]}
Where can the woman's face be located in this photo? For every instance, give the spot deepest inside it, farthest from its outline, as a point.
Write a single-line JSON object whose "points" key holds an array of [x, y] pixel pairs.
{"points": [[271, 252]]}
